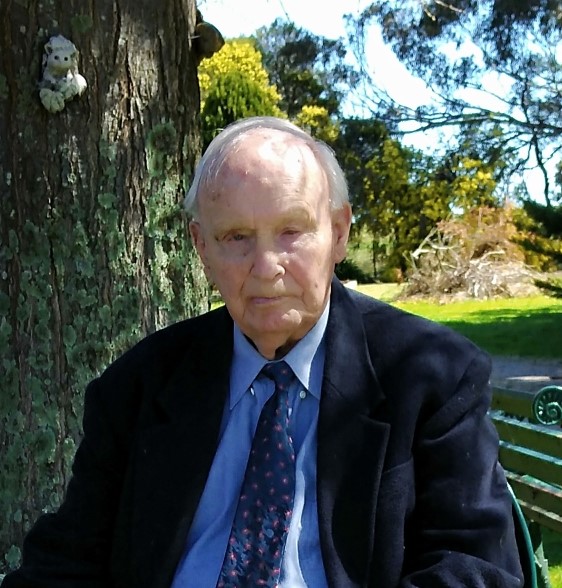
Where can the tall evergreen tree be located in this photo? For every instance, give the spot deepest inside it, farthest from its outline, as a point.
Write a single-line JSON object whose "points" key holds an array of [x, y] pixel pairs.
{"points": [[308, 70]]}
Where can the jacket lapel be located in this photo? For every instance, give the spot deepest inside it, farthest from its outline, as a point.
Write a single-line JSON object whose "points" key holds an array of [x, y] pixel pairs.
{"points": [[174, 455], [351, 446]]}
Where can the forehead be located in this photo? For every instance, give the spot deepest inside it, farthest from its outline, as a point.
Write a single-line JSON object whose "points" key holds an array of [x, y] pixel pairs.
{"points": [[267, 158]]}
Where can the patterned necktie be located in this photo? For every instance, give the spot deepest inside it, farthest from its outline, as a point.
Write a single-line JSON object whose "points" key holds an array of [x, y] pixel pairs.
{"points": [[257, 540]]}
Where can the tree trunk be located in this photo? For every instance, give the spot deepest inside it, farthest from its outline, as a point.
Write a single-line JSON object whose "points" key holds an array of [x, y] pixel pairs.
{"points": [[94, 250]]}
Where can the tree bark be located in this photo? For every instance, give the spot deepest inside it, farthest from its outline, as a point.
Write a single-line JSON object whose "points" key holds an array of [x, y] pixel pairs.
{"points": [[94, 249]]}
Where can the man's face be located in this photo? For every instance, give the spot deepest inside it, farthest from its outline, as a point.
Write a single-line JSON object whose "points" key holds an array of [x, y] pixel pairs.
{"points": [[269, 239]]}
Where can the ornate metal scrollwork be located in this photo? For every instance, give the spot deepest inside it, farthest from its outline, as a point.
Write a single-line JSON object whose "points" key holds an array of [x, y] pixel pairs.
{"points": [[547, 405]]}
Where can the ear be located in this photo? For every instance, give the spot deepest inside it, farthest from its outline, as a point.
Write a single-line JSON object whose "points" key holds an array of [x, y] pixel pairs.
{"points": [[198, 239], [341, 225], [196, 233]]}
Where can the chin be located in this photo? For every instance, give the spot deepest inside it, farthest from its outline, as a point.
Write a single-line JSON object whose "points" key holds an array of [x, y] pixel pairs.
{"points": [[289, 326]]}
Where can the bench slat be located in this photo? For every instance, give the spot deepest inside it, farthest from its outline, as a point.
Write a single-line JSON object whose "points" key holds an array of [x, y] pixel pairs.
{"points": [[513, 402], [525, 461], [528, 489], [536, 437], [542, 517]]}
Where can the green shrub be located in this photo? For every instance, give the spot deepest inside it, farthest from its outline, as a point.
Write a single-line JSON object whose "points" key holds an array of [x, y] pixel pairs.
{"points": [[349, 270]]}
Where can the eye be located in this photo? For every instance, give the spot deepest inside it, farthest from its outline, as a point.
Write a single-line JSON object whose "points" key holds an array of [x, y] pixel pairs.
{"points": [[291, 231], [234, 237]]}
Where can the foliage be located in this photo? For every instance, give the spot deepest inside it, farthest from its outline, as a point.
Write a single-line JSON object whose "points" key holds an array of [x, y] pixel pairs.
{"points": [[494, 67], [360, 250], [402, 194], [308, 70], [316, 120], [349, 270], [358, 141], [234, 85], [542, 251], [237, 55], [233, 96], [549, 217]]}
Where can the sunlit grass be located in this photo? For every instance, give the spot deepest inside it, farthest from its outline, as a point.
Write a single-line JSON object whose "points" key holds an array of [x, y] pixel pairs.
{"points": [[553, 553], [385, 292], [523, 327]]}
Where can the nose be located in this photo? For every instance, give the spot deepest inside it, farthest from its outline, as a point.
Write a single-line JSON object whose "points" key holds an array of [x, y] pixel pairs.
{"points": [[266, 263]]}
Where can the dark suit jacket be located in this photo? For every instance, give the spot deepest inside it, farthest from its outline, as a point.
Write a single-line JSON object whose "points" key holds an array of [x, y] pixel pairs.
{"points": [[409, 489]]}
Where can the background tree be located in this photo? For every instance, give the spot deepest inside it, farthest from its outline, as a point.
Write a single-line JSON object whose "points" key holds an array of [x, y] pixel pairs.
{"points": [[399, 194], [308, 70], [317, 121], [540, 235], [493, 65], [235, 85], [357, 142], [93, 244], [238, 55], [477, 54]]}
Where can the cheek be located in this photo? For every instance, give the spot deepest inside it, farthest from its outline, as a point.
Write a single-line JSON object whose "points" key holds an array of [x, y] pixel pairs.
{"points": [[311, 275], [228, 277]]}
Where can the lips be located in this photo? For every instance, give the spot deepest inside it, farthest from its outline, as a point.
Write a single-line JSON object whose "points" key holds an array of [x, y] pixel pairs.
{"points": [[265, 299]]}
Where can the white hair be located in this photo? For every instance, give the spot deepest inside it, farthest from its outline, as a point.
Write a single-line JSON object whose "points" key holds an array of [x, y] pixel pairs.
{"points": [[228, 139]]}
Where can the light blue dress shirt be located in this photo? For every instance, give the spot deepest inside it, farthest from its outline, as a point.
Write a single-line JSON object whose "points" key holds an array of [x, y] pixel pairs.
{"points": [[302, 565]]}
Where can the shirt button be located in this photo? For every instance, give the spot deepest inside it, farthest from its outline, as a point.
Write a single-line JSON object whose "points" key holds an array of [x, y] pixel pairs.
{"points": [[302, 394]]}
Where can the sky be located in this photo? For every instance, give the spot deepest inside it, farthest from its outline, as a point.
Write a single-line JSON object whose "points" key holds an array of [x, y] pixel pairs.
{"points": [[236, 18], [320, 17]]}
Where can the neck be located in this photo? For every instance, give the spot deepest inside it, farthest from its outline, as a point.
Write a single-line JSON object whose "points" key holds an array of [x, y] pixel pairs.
{"points": [[273, 350]]}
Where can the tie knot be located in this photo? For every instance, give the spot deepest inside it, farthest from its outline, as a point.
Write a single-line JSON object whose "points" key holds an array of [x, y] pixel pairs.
{"points": [[279, 372]]}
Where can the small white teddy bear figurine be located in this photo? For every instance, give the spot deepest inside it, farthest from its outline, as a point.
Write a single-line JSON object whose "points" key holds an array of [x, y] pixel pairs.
{"points": [[61, 80]]}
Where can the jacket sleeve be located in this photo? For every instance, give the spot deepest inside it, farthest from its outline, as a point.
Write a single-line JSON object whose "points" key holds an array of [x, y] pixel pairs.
{"points": [[461, 533], [71, 548]]}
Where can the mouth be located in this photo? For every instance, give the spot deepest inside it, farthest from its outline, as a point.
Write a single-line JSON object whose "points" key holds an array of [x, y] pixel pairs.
{"points": [[265, 300]]}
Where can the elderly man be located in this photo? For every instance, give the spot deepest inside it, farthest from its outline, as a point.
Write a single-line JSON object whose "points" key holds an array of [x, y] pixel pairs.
{"points": [[300, 436]]}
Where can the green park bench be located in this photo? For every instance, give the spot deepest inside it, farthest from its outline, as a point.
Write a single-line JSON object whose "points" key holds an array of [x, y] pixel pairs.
{"points": [[528, 425]]}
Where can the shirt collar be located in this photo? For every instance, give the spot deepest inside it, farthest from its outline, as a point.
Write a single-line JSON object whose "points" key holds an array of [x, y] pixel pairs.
{"points": [[306, 359]]}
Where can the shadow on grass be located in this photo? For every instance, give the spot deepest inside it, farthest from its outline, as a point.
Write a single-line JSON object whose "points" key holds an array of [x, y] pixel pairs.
{"points": [[531, 333]]}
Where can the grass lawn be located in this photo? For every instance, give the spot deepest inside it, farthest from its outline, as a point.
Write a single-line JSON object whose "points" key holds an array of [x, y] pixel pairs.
{"points": [[386, 292], [552, 543], [523, 327]]}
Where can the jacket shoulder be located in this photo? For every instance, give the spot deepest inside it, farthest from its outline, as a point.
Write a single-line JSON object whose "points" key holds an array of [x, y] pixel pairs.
{"points": [[398, 326], [169, 345], [404, 346]]}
